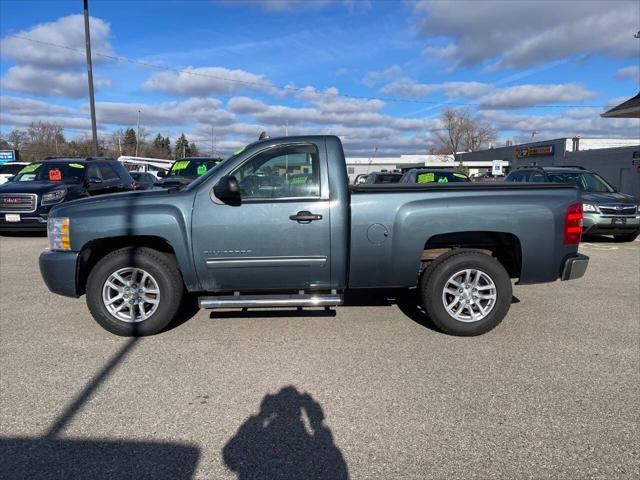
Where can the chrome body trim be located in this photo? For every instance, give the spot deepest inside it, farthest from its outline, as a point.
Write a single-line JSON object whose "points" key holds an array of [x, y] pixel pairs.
{"points": [[252, 262]]}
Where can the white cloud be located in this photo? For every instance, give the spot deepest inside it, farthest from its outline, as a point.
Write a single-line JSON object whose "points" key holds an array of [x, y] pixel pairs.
{"points": [[566, 124], [67, 31], [26, 106], [40, 81], [631, 72], [392, 73], [407, 87], [536, 31], [192, 110], [204, 81], [44, 69], [522, 96]]}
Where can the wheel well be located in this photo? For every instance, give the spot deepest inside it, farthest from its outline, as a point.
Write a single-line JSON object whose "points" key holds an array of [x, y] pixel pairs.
{"points": [[505, 247], [95, 250]]}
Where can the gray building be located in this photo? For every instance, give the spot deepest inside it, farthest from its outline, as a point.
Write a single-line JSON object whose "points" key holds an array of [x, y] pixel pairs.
{"points": [[617, 160]]}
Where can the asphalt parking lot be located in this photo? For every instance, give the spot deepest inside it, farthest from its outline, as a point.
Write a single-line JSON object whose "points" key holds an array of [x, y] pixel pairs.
{"points": [[369, 392]]}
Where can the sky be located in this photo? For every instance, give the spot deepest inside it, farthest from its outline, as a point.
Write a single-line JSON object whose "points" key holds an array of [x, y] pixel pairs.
{"points": [[376, 73]]}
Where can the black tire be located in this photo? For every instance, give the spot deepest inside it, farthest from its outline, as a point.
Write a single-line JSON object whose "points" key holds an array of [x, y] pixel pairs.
{"points": [[164, 270], [630, 237], [432, 287]]}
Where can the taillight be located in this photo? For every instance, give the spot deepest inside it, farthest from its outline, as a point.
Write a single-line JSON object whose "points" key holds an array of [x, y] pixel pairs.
{"points": [[573, 224]]}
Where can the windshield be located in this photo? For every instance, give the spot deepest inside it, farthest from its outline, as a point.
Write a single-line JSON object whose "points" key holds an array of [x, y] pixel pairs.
{"points": [[192, 168], [440, 177], [585, 181], [10, 168], [209, 172], [51, 172]]}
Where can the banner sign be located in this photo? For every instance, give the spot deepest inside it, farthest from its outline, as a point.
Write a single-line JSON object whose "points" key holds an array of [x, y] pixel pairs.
{"points": [[496, 167], [7, 156], [541, 151]]}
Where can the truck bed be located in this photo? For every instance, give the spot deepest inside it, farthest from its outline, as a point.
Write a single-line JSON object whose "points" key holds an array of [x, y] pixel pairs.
{"points": [[392, 225]]}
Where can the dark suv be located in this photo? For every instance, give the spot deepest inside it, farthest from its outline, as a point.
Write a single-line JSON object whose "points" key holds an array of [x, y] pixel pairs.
{"points": [[383, 177], [186, 170], [25, 201], [606, 211]]}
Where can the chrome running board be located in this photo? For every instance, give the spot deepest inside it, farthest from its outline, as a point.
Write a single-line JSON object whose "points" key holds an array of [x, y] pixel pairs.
{"points": [[249, 301]]}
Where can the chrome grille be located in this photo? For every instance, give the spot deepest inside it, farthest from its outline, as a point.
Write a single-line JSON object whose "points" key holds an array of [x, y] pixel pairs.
{"points": [[618, 210], [18, 202]]}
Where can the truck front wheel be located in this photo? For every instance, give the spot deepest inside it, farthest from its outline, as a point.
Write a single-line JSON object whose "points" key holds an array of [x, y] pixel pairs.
{"points": [[134, 291], [467, 294]]}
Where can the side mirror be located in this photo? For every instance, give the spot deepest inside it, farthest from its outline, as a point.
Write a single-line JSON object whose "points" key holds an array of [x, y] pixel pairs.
{"points": [[94, 181], [227, 189], [162, 174]]}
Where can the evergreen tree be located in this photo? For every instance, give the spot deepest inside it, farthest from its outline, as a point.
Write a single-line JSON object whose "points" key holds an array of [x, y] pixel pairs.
{"points": [[129, 142], [182, 147], [193, 150]]}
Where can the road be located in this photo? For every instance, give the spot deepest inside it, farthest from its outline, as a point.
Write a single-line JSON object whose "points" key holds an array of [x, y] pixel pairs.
{"points": [[366, 393]]}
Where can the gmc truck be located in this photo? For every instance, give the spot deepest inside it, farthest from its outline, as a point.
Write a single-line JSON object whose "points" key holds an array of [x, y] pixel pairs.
{"points": [[277, 225]]}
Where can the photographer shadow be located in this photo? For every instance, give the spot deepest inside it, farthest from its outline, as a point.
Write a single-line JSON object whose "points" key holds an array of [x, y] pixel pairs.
{"points": [[286, 440]]}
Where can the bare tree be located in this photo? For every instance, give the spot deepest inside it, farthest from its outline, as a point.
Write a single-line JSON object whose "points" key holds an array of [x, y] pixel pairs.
{"points": [[462, 132]]}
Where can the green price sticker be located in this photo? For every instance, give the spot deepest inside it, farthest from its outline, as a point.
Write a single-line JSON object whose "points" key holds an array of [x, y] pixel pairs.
{"points": [[443, 180], [76, 165], [180, 165], [426, 177], [202, 169], [301, 180], [30, 168], [460, 175]]}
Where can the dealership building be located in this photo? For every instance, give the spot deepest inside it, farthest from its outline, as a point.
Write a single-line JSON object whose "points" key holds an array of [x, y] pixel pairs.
{"points": [[617, 160]]}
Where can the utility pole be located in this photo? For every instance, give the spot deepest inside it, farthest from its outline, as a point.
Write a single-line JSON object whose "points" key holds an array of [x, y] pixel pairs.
{"points": [[213, 143], [87, 42], [138, 134], [286, 128]]}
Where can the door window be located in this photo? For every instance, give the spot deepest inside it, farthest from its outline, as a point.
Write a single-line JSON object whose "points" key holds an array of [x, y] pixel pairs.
{"points": [[284, 172], [107, 172]]}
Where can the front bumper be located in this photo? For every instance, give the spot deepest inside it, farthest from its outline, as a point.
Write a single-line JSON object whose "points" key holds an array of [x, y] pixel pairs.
{"points": [[59, 271], [596, 223], [28, 222], [574, 267]]}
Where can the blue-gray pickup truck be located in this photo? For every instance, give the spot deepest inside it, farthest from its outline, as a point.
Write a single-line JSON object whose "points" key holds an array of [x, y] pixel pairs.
{"points": [[278, 225]]}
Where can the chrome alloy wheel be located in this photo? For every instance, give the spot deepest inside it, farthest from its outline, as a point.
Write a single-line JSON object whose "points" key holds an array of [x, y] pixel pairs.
{"points": [[469, 295], [131, 294]]}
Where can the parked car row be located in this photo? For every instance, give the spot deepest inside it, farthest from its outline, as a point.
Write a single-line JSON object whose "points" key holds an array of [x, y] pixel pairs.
{"points": [[415, 175], [30, 190], [606, 211]]}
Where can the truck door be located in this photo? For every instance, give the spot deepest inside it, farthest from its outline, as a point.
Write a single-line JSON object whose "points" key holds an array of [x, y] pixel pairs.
{"points": [[277, 236]]}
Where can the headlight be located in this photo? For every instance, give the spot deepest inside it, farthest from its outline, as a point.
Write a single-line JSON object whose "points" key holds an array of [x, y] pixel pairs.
{"points": [[54, 197], [587, 207], [58, 232]]}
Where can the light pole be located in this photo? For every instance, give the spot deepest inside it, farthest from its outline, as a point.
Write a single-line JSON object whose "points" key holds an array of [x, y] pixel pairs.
{"points": [[138, 134], [92, 105]]}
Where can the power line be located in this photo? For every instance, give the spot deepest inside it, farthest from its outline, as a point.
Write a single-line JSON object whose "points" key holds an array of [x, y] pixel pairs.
{"points": [[268, 85]]}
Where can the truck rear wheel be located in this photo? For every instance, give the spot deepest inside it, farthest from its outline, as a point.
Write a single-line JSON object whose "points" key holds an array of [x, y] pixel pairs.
{"points": [[134, 291], [467, 294]]}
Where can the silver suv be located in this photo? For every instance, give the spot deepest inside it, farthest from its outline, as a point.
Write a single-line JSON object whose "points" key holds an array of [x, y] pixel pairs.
{"points": [[606, 211]]}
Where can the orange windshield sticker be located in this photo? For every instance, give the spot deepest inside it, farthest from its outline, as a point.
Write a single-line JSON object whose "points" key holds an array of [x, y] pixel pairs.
{"points": [[55, 175]]}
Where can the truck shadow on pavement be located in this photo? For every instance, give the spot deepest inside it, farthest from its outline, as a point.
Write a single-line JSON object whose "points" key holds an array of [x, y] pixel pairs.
{"points": [[50, 457], [286, 440]]}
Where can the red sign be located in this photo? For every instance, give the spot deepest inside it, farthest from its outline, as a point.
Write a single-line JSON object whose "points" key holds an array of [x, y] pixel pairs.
{"points": [[55, 175]]}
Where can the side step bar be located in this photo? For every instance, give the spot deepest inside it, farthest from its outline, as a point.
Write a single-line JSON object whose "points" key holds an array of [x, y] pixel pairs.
{"points": [[248, 301]]}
